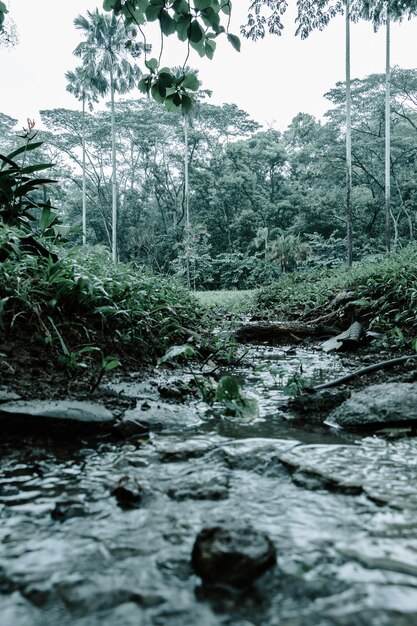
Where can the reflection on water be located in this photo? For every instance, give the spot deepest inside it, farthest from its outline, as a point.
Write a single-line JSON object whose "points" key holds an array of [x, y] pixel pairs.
{"points": [[340, 513]]}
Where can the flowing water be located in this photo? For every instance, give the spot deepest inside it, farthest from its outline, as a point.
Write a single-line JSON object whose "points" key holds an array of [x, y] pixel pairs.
{"points": [[341, 512]]}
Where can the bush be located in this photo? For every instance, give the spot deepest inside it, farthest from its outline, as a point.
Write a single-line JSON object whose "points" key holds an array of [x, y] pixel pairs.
{"points": [[385, 291], [83, 299]]}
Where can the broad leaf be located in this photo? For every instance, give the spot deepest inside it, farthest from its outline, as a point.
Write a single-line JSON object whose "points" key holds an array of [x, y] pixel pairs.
{"points": [[235, 41]]}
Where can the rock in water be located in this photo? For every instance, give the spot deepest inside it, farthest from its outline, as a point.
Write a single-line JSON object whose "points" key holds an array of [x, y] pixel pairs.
{"points": [[233, 556], [389, 403], [48, 416]]}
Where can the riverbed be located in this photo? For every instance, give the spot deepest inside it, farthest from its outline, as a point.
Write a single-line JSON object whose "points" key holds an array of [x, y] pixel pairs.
{"points": [[339, 508]]}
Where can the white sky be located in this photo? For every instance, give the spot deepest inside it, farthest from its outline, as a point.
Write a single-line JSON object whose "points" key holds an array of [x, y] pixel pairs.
{"points": [[272, 80]]}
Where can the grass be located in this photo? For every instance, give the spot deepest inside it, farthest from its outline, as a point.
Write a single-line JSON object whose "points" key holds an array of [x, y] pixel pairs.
{"points": [[231, 302], [84, 307]]}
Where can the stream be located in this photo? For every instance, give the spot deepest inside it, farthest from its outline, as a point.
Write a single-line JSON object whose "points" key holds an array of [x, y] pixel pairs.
{"points": [[340, 509]]}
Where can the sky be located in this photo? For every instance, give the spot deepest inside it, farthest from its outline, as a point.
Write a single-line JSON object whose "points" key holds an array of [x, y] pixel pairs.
{"points": [[273, 79]]}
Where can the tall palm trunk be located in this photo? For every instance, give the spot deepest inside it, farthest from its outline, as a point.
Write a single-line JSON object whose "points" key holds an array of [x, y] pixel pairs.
{"points": [[113, 164], [349, 212], [387, 137], [187, 203], [84, 207]]}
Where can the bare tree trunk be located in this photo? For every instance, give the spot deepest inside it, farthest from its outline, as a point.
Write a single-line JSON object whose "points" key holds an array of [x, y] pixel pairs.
{"points": [[113, 161], [387, 139], [84, 201], [349, 212], [187, 203]]}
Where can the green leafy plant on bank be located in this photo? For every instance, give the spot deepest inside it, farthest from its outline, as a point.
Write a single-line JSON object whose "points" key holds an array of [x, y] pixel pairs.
{"points": [[23, 201], [384, 290], [83, 300]]}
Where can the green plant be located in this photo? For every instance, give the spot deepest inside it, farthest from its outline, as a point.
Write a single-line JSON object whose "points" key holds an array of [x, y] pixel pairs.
{"points": [[17, 191], [108, 363], [230, 395], [296, 385]]}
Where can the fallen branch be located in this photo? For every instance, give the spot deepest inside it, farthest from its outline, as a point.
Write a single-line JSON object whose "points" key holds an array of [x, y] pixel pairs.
{"points": [[281, 331], [365, 370]]}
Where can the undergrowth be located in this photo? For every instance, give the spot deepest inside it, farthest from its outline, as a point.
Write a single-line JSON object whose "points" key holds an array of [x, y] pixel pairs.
{"points": [[83, 307], [384, 292]]}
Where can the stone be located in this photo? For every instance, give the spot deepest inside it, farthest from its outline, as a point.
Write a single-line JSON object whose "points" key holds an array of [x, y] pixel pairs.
{"points": [[66, 510], [156, 416], [128, 493], [207, 484], [388, 403], [6, 395], [233, 556], [36, 414]]}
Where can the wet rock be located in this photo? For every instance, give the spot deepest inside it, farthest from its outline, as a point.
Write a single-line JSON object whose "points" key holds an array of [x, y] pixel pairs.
{"points": [[38, 415], [308, 481], [129, 427], [128, 493], [127, 614], [388, 403], [201, 485], [65, 510], [179, 450], [6, 395], [234, 556], [16, 611], [86, 596], [176, 391], [261, 456], [163, 416], [314, 408]]}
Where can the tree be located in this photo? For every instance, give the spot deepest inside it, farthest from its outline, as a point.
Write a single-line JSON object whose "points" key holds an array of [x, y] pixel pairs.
{"points": [[313, 15], [85, 86], [197, 23], [104, 49], [383, 12]]}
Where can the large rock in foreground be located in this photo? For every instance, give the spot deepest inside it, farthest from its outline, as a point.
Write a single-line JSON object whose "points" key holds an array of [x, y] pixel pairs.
{"points": [[376, 405], [45, 415], [233, 556]]}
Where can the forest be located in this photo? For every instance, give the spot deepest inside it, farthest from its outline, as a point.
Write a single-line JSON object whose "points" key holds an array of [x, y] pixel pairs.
{"points": [[260, 202]]}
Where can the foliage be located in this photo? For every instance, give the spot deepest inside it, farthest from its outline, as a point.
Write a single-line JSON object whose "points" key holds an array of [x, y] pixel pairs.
{"points": [[3, 11], [198, 24], [229, 394], [237, 301], [384, 289], [18, 198], [82, 301]]}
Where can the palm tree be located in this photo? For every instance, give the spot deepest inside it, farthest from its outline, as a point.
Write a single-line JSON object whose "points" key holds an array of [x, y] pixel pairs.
{"points": [[383, 12], [85, 86], [349, 211], [193, 83], [104, 48]]}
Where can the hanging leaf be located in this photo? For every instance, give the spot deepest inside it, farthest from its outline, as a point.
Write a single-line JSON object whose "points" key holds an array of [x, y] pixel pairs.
{"points": [[152, 12], [196, 33], [152, 64], [168, 24], [226, 7], [191, 82], [235, 41], [210, 48], [200, 5]]}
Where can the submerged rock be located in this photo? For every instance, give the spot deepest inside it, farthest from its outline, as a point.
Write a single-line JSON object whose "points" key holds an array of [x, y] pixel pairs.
{"points": [[378, 404], [128, 493], [233, 556]]}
